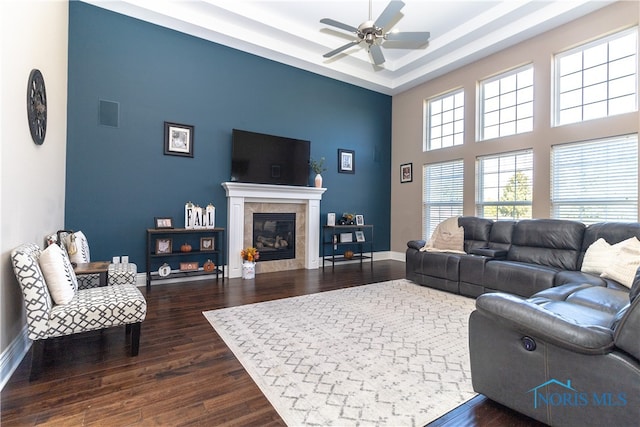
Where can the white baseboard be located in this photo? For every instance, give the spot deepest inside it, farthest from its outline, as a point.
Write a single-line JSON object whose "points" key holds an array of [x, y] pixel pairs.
{"points": [[13, 355]]}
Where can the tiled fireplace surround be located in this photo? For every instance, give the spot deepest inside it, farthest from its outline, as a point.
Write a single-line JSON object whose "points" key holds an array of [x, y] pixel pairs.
{"points": [[244, 199]]}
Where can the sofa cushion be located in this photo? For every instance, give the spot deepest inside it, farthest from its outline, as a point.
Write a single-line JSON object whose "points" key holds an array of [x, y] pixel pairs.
{"points": [[549, 242], [519, 278], [58, 274], [476, 231], [625, 263]]}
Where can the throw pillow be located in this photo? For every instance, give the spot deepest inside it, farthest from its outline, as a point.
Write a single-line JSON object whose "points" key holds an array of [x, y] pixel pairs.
{"points": [[447, 237], [623, 266], [82, 254], [58, 273], [597, 257]]}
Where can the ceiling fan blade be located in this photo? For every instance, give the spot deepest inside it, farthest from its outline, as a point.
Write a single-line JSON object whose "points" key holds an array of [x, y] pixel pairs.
{"points": [[376, 54], [340, 49], [340, 25], [409, 37], [390, 12]]}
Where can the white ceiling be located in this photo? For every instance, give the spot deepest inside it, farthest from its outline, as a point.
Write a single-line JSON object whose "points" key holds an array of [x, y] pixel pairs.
{"points": [[290, 32]]}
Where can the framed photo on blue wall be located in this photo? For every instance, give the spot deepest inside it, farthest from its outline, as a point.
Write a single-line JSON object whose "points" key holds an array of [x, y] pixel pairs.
{"points": [[406, 172], [346, 161], [178, 139]]}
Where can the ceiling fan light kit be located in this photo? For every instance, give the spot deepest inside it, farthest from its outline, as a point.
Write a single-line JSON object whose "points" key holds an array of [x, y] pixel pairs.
{"points": [[374, 35]]}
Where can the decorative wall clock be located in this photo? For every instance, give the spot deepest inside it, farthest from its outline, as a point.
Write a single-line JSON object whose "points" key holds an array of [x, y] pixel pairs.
{"points": [[37, 106]]}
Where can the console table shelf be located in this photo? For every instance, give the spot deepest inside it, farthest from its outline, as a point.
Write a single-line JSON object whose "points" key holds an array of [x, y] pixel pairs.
{"points": [[178, 236], [333, 243]]}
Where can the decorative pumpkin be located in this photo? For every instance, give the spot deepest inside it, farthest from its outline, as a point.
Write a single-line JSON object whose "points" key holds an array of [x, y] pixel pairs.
{"points": [[209, 266], [348, 254], [185, 247]]}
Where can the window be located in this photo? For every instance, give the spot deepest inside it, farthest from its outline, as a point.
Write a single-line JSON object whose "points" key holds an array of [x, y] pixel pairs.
{"points": [[505, 185], [444, 118], [598, 79], [506, 104], [442, 197], [595, 181]]}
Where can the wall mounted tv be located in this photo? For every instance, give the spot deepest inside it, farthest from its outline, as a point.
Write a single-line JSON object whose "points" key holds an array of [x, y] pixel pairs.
{"points": [[267, 159]]}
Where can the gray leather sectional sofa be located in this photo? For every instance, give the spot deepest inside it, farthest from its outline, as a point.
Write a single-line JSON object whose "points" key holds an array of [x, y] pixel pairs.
{"points": [[546, 339]]}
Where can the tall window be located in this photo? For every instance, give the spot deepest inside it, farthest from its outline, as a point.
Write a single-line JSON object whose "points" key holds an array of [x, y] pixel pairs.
{"points": [[442, 194], [444, 121], [506, 104], [598, 79], [595, 181], [505, 185]]}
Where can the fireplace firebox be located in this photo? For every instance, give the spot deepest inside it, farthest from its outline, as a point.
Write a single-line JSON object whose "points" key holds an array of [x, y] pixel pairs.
{"points": [[274, 235]]}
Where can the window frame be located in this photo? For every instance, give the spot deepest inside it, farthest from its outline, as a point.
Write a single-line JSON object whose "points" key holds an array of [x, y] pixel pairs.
{"points": [[481, 178], [556, 79], [481, 107], [428, 120]]}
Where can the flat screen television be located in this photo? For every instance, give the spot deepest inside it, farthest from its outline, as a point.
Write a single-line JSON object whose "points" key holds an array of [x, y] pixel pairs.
{"points": [[267, 159]]}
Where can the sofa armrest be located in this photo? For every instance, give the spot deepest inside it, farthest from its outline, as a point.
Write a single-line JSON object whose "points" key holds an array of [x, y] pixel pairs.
{"points": [[578, 329], [416, 244], [489, 253]]}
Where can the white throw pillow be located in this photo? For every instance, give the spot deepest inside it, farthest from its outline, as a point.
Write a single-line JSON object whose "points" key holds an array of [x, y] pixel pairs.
{"points": [[597, 257], [626, 261], [447, 237], [82, 254], [58, 273]]}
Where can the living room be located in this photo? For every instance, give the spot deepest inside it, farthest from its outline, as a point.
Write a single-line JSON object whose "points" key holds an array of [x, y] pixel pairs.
{"points": [[111, 182]]}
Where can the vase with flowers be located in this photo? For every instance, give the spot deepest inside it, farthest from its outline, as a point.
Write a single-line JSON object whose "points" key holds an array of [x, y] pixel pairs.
{"points": [[249, 258], [317, 167]]}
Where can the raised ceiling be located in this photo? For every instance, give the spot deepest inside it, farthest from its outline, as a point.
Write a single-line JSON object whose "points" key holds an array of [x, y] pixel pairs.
{"points": [[290, 32]]}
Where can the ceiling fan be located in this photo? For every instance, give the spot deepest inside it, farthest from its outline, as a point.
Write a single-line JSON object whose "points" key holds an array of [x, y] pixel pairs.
{"points": [[373, 33]]}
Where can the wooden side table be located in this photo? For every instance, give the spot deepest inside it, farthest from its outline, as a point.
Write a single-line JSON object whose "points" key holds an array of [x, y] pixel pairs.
{"points": [[97, 267]]}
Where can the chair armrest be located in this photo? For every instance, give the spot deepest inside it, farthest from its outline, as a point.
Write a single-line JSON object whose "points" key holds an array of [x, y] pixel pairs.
{"points": [[416, 244], [578, 329]]}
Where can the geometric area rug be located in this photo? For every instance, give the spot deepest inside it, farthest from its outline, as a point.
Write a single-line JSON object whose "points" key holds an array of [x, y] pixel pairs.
{"points": [[386, 354]]}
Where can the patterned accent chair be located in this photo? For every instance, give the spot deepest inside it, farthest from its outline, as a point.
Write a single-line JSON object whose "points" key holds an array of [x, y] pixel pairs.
{"points": [[90, 309]]}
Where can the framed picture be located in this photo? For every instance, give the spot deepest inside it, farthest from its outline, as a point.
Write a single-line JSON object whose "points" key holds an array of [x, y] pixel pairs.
{"points": [[164, 246], [406, 172], [346, 161], [189, 266], [206, 244], [331, 219], [359, 236], [163, 222], [178, 139], [359, 220], [346, 237]]}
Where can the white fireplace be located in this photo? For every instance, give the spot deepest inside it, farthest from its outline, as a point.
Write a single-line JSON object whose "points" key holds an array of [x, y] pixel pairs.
{"points": [[241, 194]]}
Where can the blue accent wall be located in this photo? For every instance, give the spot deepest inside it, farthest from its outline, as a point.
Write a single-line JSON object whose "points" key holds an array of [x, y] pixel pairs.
{"points": [[118, 178]]}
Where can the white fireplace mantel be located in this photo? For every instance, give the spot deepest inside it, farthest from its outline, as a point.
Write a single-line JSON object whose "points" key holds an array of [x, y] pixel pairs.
{"points": [[240, 193]]}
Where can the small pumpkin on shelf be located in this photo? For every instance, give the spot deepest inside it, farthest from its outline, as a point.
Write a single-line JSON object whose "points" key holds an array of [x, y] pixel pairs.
{"points": [[348, 254], [185, 247], [209, 266]]}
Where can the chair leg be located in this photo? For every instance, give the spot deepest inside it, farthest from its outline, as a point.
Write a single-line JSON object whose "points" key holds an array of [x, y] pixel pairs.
{"points": [[135, 338], [37, 350]]}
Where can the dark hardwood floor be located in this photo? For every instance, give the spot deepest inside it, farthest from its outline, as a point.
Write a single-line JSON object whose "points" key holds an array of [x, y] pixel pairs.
{"points": [[185, 374]]}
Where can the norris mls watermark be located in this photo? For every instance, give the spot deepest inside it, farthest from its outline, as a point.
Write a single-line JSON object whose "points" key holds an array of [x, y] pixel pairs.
{"points": [[566, 395]]}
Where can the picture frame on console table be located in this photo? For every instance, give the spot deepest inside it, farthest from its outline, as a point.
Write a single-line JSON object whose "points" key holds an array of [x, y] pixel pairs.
{"points": [[206, 244], [360, 236], [346, 161], [164, 246], [163, 222], [178, 139]]}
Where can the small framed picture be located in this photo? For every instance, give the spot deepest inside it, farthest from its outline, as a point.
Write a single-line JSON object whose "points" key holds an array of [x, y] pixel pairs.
{"points": [[164, 246], [359, 236], [359, 220], [163, 222], [406, 172], [206, 244], [178, 139], [189, 266], [346, 237], [346, 161], [331, 219]]}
